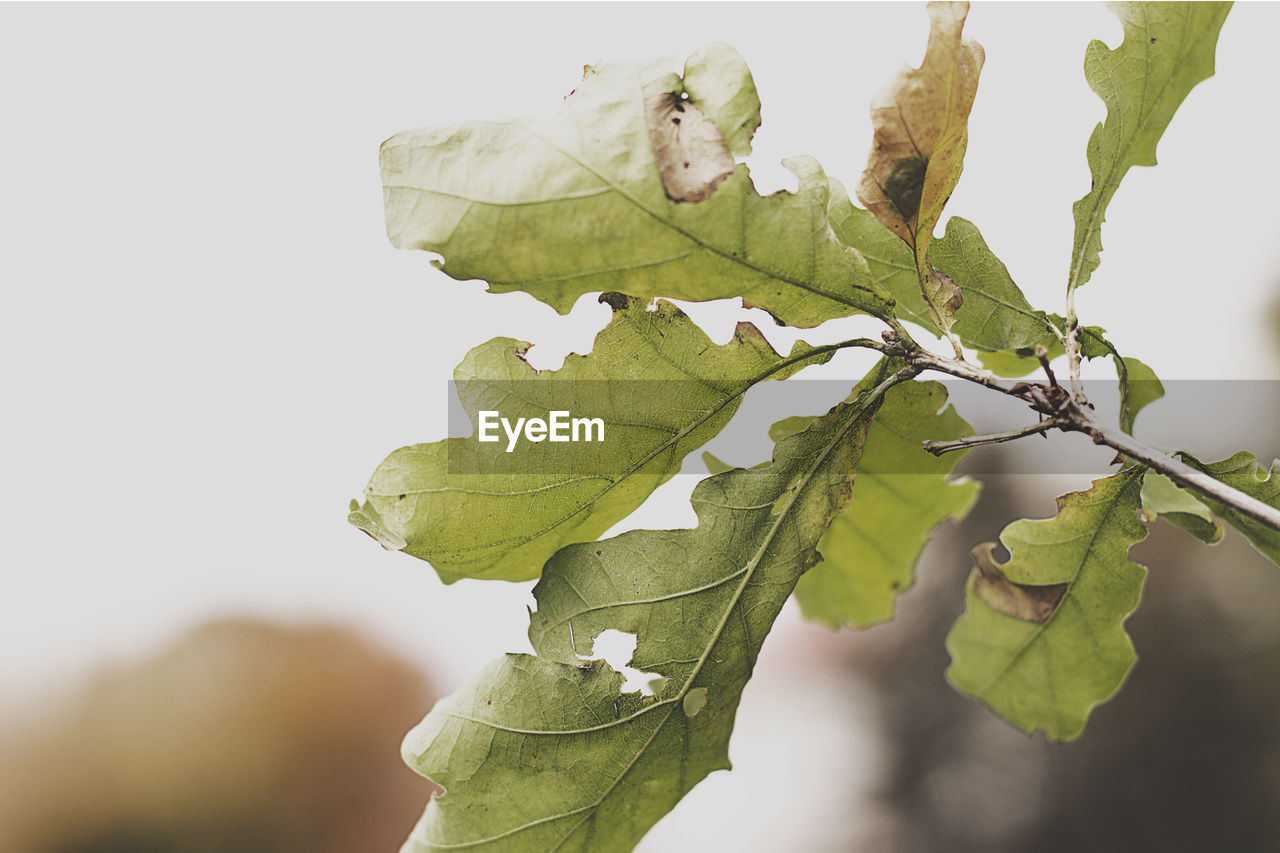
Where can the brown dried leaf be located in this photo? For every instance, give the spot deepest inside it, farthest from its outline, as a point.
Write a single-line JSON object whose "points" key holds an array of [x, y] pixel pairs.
{"points": [[920, 121], [1021, 601], [690, 151]]}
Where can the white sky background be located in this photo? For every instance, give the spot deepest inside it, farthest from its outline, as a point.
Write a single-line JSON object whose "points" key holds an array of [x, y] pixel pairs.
{"points": [[209, 343]]}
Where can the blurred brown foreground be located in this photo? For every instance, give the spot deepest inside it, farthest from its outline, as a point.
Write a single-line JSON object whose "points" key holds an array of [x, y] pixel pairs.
{"points": [[243, 736]]}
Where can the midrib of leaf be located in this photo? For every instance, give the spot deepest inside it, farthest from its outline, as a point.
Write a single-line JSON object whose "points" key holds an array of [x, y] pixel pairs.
{"points": [[662, 448], [801, 484], [1104, 198], [655, 598], [532, 491], [599, 271], [1040, 629], [530, 202]]}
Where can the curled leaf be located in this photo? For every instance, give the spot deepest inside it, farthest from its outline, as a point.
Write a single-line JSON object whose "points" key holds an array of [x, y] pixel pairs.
{"points": [[921, 130], [1028, 602]]}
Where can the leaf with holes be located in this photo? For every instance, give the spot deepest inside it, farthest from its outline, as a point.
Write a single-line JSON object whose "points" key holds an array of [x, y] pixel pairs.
{"points": [[633, 188], [541, 752], [474, 510], [1042, 639]]}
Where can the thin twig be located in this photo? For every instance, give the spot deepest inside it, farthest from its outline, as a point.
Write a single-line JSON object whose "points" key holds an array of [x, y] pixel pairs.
{"points": [[1042, 355], [937, 448], [1183, 474], [1072, 412]]}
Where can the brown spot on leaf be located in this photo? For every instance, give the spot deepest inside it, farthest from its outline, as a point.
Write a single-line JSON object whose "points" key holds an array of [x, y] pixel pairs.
{"points": [[1021, 601], [904, 185], [943, 294], [689, 150], [617, 301], [921, 129]]}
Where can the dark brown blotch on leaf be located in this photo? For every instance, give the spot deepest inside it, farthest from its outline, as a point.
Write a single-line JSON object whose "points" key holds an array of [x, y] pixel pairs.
{"points": [[1021, 601], [690, 152], [905, 185]]}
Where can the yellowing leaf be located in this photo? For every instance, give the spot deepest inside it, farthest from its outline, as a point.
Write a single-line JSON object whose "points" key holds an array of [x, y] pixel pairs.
{"points": [[600, 199], [921, 129]]}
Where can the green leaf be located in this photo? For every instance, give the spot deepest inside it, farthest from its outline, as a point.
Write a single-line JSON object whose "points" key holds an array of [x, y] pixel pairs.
{"points": [[542, 753], [921, 130], [995, 315], [1168, 48], [888, 257], [1139, 385], [472, 510], [714, 463], [902, 493], [1042, 639], [1160, 497], [600, 199], [1243, 472]]}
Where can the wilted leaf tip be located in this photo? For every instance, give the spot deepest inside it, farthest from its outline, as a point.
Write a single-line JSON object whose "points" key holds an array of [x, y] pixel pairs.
{"points": [[366, 519], [921, 130], [920, 119]]}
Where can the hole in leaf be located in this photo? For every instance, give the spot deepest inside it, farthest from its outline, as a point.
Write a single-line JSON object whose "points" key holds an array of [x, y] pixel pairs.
{"points": [[616, 648]]}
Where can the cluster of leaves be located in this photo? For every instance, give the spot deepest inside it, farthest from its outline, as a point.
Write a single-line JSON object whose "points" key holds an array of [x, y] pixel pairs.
{"points": [[637, 189]]}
